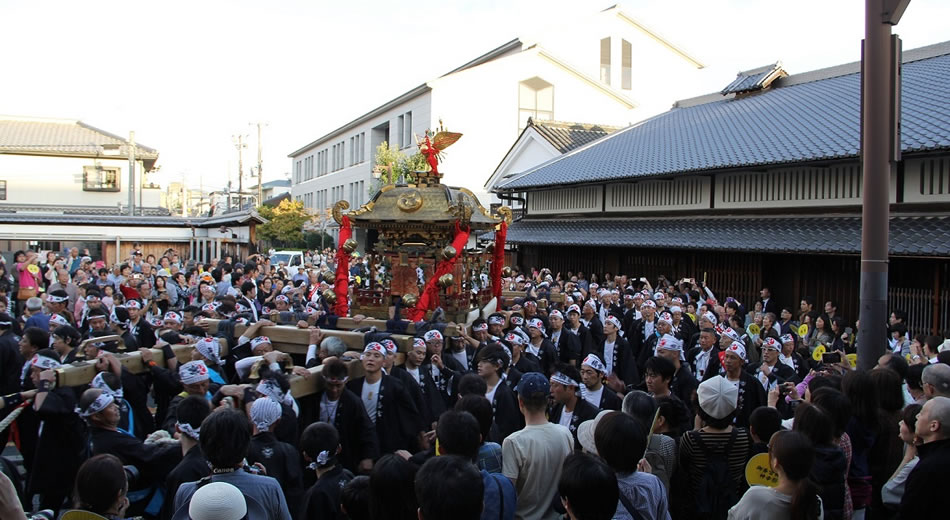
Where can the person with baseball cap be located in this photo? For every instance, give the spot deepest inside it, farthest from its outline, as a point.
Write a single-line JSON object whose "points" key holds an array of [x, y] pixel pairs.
{"points": [[715, 453], [533, 456]]}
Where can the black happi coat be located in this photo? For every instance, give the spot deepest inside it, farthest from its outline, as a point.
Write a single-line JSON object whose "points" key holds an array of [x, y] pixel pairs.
{"points": [[193, 467], [282, 461], [547, 357], [59, 446], [623, 361], [568, 347], [397, 420], [323, 498], [358, 439], [154, 461], [583, 411], [506, 414]]}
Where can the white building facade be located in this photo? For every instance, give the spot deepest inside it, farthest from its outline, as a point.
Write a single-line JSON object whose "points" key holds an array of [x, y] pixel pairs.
{"points": [[55, 162], [601, 70]]}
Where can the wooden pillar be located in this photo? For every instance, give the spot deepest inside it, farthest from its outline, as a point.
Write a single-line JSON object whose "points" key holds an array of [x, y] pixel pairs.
{"points": [[935, 324], [118, 249]]}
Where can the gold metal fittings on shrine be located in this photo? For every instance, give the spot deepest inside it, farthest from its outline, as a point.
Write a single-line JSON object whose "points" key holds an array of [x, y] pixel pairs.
{"points": [[410, 200]]}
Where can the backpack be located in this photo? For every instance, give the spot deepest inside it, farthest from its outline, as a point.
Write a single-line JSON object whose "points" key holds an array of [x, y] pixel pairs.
{"points": [[717, 490]]}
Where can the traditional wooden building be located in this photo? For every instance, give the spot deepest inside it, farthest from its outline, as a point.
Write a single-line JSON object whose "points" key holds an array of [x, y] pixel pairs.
{"points": [[757, 185]]}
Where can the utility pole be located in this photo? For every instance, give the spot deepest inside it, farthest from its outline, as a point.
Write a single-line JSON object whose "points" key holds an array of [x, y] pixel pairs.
{"points": [[880, 153], [240, 144], [131, 173], [260, 164]]}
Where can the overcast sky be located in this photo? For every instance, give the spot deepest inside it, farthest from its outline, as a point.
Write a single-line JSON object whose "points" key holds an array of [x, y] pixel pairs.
{"points": [[186, 76]]}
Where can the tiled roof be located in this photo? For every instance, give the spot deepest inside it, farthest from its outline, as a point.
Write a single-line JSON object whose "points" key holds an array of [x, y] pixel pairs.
{"points": [[568, 136], [917, 236], [23, 217], [77, 210], [59, 136], [791, 122]]}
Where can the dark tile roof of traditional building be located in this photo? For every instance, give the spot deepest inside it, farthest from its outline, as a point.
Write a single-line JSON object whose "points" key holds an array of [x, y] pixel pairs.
{"points": [[909, 235], [807, 117], [64, 137], [566, 136]]}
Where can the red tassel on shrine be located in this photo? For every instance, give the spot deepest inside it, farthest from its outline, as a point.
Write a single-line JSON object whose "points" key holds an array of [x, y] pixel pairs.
{"points": [[341, 284]]}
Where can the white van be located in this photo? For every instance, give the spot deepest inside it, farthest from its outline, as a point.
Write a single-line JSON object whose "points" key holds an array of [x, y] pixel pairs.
{"points": [[292, 260]]}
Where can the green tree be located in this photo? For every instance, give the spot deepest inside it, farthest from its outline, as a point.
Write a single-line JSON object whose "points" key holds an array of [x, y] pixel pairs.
{"points": [[285, 224], [396, 167]]}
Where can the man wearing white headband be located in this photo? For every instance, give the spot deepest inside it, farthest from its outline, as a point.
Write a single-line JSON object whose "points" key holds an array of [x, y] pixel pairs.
{"points": [[138, 325], [684, 383], [280, 459], [101, 412], [172, 321], [56, 302], [574, 325], [491, 365], [793, 359], [496, 324], [523, 364], [617, 355], [591, 320], [387, 403], [193, 466], [751, 393], [195, 379], [439, 375], [644, 331], [772, 372], [567, 346], [539, 347], [343, 409], [594, 392], [631, 312], [414, 359], [569, 409]]}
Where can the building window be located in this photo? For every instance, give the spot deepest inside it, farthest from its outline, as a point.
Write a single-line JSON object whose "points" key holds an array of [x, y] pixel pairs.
{"points": [[406, 129], [3, 190], [298, 176], [605, 60], [626, 57], [535, 100], [357, 142], [100, 178]]}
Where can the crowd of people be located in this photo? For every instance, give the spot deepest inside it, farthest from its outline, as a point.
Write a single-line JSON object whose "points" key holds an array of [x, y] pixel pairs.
{"points": [[585, 399]]}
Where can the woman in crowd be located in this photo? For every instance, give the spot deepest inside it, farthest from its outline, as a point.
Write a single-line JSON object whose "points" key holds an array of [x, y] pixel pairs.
{"points": [[796, 496], [830, 465], [101, 487], [893, 490]]}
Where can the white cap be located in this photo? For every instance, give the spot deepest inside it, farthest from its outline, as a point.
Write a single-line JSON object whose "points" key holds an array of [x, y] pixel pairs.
{"points": [[717, 397], [217, 501], [585, 432]]}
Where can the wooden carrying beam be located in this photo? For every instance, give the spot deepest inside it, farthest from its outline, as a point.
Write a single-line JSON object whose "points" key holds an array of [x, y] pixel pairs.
{"points": [[82, 372], [293, 340]]}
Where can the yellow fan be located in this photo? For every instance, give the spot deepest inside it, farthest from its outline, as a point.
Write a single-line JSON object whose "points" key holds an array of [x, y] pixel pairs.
{"points": [[33, 268], [819, 351], [802, 330], [754, 330], [758, 471], [853, 359]]}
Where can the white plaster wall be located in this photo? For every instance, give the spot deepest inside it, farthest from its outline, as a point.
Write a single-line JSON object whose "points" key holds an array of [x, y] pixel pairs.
{"points": [[37, 179]]}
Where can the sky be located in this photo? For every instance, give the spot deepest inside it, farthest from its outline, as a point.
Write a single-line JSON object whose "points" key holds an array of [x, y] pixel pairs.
{"points": [[187, 76]]}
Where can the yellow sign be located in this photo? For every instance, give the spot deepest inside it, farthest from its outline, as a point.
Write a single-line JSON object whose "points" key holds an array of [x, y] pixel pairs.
{"points": [[853, 359], [33, 268], [819, 351], [758, 472], [802, 330], [754, 330]]}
